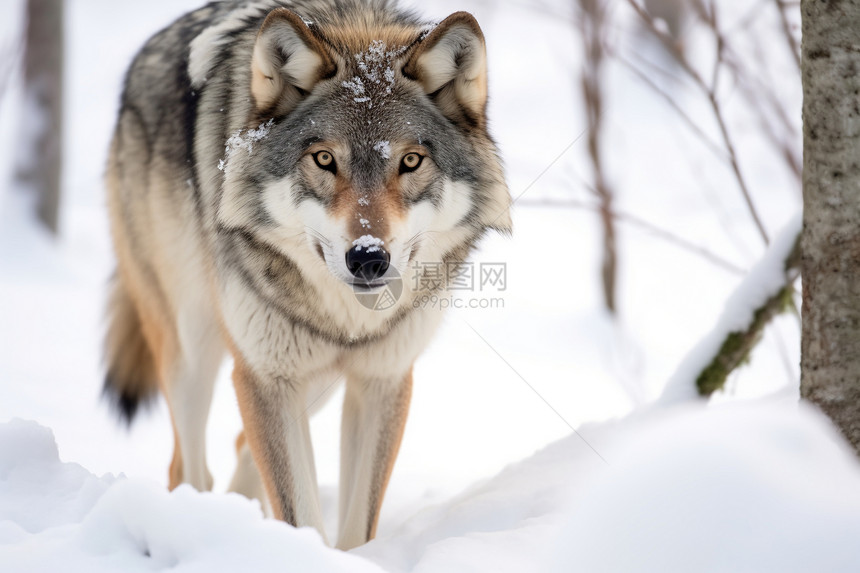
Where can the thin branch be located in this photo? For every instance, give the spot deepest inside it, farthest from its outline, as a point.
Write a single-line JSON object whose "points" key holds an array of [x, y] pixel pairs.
{"points": [[715, 73], [747, 81], [733, 159], [646, 63], [668, 43], [756, 85], [10, 56], [747, 20], [651, 228], [755, 90], [725, 218], [718, 115], [786, 30], [688, 121], [710, 93]]}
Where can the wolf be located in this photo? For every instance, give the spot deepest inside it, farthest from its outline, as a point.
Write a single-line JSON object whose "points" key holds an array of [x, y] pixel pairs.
{"points": [[272, 164]]}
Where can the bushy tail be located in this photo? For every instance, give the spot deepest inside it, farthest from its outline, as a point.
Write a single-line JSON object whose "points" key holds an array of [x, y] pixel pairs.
{"points": [[131, 376]]}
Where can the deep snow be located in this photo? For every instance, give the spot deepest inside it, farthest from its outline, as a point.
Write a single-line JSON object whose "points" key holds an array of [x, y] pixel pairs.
{"points": [[734, 488]]}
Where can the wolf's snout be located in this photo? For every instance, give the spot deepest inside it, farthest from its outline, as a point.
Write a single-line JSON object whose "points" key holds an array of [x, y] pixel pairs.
{"points": [[367, 263]]}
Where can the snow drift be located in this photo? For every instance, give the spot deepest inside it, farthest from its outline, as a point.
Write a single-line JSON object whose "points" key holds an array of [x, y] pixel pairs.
{"points": [[734, 488]]}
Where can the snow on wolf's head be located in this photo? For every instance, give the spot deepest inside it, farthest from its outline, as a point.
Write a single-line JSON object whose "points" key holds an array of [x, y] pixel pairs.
{"points": [[375, 152]]}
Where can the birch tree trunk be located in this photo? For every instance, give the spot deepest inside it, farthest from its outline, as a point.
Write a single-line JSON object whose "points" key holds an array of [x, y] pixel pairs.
{"points": [[830, 347], [40, 165]]}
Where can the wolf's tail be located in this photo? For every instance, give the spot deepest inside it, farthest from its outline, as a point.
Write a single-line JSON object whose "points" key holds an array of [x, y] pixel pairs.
{"points": [[131, 379]]}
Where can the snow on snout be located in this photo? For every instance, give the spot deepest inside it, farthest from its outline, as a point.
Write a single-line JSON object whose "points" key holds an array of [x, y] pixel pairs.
{"points": [[369, 242]]}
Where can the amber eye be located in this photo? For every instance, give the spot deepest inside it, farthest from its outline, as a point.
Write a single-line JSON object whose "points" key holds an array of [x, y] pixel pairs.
{"points": [[325, 160], [410, 162]]}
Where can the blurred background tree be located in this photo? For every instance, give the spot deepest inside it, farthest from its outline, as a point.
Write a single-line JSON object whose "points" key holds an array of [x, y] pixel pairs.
{"points": [[40, 157]]}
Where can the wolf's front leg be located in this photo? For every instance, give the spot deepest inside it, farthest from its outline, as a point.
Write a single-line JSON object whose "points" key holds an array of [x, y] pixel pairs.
{"points": [[374, 417], [276, 426]]}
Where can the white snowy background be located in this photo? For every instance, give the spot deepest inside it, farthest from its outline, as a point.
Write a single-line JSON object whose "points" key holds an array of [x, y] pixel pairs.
{"points": [[491, 475]]}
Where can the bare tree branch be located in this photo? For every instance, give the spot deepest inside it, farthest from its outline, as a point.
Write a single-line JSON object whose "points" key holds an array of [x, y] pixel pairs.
{"points": [[688, 121], [747, 20], [756, 90], [651, 228], [786, 30], [709, 91]]}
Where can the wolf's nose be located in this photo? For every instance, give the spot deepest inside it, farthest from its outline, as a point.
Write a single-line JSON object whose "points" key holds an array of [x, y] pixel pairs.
{"points": [[367, 263]]}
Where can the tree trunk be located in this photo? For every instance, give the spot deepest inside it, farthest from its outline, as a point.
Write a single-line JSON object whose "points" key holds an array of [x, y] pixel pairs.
{"points": [[830, 347], [592, 25], [40, 163]]}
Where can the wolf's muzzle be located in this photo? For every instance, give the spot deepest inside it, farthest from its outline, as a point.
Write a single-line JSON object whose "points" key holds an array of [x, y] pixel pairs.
{"points": [[367, 264]]}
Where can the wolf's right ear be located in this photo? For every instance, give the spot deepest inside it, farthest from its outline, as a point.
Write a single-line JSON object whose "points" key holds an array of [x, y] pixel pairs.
{"points": [[288, 61]]}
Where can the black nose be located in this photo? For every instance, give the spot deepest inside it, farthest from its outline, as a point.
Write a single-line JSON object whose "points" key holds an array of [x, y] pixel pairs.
{"points": [[367, 263]]}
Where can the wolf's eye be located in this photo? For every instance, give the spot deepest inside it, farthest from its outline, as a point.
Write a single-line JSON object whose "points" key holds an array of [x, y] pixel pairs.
{"points": [[324, 160], [410, 162]]}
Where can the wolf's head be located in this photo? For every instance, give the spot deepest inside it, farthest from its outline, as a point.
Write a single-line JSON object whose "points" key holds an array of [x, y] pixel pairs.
{"points": [[367, 147]]}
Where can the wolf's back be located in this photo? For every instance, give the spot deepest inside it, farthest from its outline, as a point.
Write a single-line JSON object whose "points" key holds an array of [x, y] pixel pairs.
{"points": [[152, 154]]}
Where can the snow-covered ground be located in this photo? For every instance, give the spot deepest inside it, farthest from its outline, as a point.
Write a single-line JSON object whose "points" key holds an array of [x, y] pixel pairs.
{"points": [[738, 488], [756, 487]]}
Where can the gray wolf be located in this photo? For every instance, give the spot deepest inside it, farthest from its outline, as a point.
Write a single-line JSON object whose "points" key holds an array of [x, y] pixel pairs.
{"points": [[271, 161]]}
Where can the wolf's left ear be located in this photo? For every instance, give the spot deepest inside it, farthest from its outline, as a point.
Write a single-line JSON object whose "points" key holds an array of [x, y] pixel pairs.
{"points": [[288, 61], [451, 64]]}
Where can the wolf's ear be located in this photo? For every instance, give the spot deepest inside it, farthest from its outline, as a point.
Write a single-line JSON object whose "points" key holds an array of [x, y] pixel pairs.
{"points": [[288, 61], [451, 64]]}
